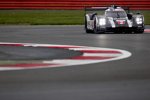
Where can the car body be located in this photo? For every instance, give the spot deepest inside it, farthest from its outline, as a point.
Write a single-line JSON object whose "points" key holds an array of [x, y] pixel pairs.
{"points": [[115, 19]]}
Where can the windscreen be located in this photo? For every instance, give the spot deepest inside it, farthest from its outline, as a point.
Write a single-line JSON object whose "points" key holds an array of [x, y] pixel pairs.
{"points": [[116, 14]]}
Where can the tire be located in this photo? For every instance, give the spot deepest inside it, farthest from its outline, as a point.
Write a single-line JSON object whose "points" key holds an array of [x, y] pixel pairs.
{"points": [[95, 28], [140, 31], [128, 32]]}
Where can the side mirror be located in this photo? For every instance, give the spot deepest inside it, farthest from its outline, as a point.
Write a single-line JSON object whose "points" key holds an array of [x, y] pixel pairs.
{"points": [[129, 16], [93, 15]]}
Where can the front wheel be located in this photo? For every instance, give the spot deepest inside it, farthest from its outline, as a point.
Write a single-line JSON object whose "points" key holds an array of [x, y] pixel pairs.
{"points": [[139, 31], [95, 27], [88, 31]]}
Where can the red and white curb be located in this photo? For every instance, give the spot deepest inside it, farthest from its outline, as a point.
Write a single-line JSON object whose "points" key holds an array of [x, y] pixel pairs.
{"points": [[147, 30], [90, 55]]}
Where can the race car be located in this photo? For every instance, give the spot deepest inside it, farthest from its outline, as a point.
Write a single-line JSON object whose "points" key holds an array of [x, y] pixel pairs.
{"points": [[115, 19]]}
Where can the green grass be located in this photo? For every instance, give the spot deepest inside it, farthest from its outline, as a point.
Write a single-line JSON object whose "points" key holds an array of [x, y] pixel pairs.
{"points": [[41, 17], [48, 17]]}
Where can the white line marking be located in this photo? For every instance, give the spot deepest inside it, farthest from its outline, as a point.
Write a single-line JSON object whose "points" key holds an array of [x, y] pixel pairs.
{"points": [[102, 54], [90, 55]]}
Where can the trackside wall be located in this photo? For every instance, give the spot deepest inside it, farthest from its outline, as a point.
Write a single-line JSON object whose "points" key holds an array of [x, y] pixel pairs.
{"points": [[71, 4]]}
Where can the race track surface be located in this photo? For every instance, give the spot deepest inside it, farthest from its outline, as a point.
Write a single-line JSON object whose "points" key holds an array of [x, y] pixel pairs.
{"points": [[126, 79]]}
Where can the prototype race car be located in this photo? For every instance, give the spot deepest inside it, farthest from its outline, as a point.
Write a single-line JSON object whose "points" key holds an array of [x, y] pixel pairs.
{"points": [[115, 19]]}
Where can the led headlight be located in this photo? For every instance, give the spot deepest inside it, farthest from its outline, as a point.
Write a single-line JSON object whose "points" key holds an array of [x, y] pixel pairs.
{"points": [[102, 21], [139, 20]]}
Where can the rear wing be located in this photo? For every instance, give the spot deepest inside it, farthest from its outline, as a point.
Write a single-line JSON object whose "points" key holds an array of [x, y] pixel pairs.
{"points": [[126, 9], [104, 8], [95, 8]]}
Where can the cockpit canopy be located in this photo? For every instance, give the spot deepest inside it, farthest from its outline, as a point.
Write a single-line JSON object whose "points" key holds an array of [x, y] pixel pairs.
{"points": [[116, 14]]}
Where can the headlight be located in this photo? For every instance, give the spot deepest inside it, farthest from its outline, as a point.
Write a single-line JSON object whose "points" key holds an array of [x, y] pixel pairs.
{"points": [[102, 21], [139, 20]]}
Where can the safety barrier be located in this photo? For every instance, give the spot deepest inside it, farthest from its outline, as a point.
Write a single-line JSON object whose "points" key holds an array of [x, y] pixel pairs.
{"points": [[72, 4]]}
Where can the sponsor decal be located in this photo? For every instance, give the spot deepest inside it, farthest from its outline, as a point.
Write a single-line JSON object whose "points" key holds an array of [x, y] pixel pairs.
{"points": [[90, 55], [120, 22]]}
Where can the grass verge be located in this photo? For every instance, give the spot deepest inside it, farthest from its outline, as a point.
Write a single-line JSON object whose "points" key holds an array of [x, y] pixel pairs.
{"points": [[48, 17]]}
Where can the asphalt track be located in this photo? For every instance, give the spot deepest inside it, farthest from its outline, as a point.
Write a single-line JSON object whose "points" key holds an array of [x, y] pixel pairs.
{"points": [[34, 53], [126, 79]]}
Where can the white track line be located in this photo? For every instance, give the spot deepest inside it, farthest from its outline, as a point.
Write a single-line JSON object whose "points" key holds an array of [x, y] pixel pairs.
{"points": [[90, 55]]}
